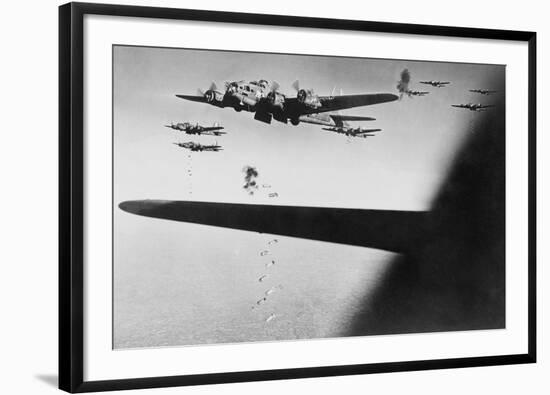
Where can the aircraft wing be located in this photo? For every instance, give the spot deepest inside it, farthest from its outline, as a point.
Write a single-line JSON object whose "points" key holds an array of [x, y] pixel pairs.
{"points": [[212, 128], [389, 230], [339, 119], [200, 99], [335, 103]]}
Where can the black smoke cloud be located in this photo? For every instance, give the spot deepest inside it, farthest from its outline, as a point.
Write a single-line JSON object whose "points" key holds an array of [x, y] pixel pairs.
{"points": [[250, 175], [403, 83]]}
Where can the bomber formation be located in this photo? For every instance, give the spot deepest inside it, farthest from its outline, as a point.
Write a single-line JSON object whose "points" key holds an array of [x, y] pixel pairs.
{"points": [[403, 88], [265, 100], [267, 103]]}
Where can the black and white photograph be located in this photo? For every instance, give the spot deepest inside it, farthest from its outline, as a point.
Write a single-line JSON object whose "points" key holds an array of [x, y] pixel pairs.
{"points": [[266, 198], [261, 197]]}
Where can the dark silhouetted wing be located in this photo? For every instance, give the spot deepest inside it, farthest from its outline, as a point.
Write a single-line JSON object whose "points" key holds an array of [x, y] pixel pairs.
{"points": [[388, 230]]}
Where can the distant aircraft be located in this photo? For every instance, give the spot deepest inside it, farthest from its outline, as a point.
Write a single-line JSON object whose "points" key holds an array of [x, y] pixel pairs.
{"points": [[354, 132], [437, 84], [483, 91], [200, 147], [473, 107], [190, 128], [416, 93], [267, 103]]}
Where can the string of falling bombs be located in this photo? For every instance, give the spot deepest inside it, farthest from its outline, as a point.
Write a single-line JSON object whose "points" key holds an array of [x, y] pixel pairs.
{"points": [[269, 262], [251, 186]]}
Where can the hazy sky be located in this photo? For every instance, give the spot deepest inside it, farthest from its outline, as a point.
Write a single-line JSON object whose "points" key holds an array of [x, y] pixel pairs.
{"points": [[185, 275]]}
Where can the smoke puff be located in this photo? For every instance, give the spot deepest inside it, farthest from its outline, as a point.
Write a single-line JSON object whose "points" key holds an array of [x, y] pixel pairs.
{"points": [[403, 84], [406, 76], [250, 173]]}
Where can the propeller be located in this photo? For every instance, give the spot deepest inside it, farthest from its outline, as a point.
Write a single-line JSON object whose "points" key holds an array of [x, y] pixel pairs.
{"points": [[275, 86], [301, 94], [212, 87], [272, 97]]}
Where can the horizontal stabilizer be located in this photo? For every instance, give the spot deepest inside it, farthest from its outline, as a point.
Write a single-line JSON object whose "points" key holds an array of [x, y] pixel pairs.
{"points": [[389, 230], [367, 131], [340, 119]]}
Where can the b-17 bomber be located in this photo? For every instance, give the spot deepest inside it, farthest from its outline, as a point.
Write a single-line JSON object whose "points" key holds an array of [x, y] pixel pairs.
{"points": [[473, 106], [190, 145], [437, 84], [266, 102], [190, 128], [353, 132], [483, 91]]}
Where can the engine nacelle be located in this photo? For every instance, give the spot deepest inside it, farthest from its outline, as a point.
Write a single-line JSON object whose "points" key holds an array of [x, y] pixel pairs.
{"points": [[213, 96], [275, 100], [308, 98]]}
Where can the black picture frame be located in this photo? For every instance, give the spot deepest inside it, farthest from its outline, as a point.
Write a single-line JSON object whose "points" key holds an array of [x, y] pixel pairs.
{"points": [[71, 182]]}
